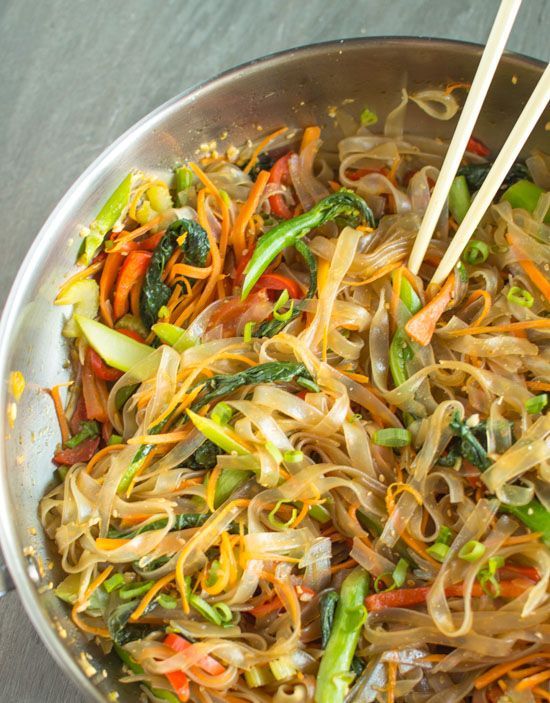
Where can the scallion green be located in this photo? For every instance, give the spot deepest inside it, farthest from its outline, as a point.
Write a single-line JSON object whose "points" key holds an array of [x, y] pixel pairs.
{"points": [[392, 437], [536, 404], [520, 296], [476, 252], [472, 551]]}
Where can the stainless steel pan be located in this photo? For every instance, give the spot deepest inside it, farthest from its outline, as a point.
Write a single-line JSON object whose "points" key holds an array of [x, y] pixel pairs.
{"points": [[296, 88]]}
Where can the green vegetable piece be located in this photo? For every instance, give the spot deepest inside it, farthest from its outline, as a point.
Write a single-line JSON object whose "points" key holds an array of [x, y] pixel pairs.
{"points": [[88, 429], [533, 515], [438, 551], [182, 521], [477, 252], [174, 336], [274, 520], [217, 434], [258, 676], [470, 446], [536, 404], [392, 437], [459, 198], [282, 668], [328, 603], [368, 117], [155, 293], [135, 589], [319, 513], [222, 413], [475, 174], [205, 609], [115, 439], [124, 394], [135, 465], [409, 296], [135, 668], [167, 602], [472, 551], [67, 590], [116, 349], [344, 204], [399, 574], [445, 536], [105, 220], [524, 194], [270, 372], [520, 296], [400, 353], [334, 671], [293, 456], [114, 583]]}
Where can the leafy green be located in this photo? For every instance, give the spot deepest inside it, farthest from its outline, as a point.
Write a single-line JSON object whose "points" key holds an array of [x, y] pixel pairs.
{"points": [[87, 430], [264, 163], [328, 602], [469, 443], [160, 693], [155, 293], [345, 207], [475, 174], [117, 621], [204, 457], [182, 522], [273, 327], [270, 372], [534, 515]]}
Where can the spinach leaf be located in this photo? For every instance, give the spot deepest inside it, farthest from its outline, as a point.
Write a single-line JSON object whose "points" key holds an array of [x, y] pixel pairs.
{"points": [[475, 174], [117, 622], [270, 328], [205, 457], [87, 430], [155, 293], [328, 602], [470, 443], [264, 163], [270, 372]]}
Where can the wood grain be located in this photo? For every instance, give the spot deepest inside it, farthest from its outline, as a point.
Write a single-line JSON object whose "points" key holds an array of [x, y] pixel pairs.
{"points": [[76, 74]]}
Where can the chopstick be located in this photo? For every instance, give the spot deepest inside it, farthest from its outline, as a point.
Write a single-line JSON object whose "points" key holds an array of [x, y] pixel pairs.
{"points": [[512, 146], [496, 42]]}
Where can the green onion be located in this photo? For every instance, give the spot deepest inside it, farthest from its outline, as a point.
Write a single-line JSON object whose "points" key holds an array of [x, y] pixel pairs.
{"points": [[462, 272], [173, 335], [319, 513], [281, 301], [224, 612], [258, 676], [472, 551], [115, 439], [525, 195], [488, 577], [205, 609], [135, 589], [308, 384], [282, 668], [225, 197], [184, 180], [167, 602], [88, 429], [459, 198], [536, 404], [274, 451], [247, 333], [368, 117], [520, 296], [275, 522], [293, 456], [438, 551], [445, 536], [399, 574], [392, 437], [116, 581], [476, 252], [222, 413], [216, 433], [62, 471]]}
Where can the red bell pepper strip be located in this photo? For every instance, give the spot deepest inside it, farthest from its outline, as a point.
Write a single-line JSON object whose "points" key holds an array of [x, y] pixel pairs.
{"points": [[132, 334], [106, 284], [476, 147], [280, 175], [148, 244], [207, 663], [94, 391], [101, 370], [276, 281], [406, 597], [357, 173], [82, 453], [132, 269], [180, 683]]}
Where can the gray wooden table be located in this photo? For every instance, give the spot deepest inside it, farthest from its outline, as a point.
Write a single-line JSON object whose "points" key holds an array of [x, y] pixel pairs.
{"points": [[76, 74]]}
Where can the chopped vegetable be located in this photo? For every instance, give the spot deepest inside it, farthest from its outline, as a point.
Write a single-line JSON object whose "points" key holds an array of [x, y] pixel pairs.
{"points": [[476, 174], [422, 325], [115, 348], [368, 117], [130, 273], [84, 297], [328, 603], [533, 515], [472, 551], [334, 674], [524, 194], [88, 429], [536, 404], [174, 336], [392, 437], [520, 296], [217, 434], [459, 198], [476, 252]]}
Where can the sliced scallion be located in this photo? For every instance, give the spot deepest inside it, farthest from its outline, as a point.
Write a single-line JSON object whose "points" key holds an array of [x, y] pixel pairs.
{"points": [[222, 413], [392, 437], [472, 551], [438, 551], [536, 404], [520, 296], [476, 252]]}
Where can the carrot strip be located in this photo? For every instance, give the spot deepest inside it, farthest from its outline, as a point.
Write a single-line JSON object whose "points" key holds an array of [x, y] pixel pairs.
{"points": [[520, 673], [396, 292], [349, 564], [311, 134], [534, 680], [100, 454], [500, 670], [392, 680], [542, 324], [545, 695], [122, 238], [107, 544], [211, 488], [151, 593], [85, 273], [107, 284], [538, 385], [487, 303], [245, 213], [422, 325], [521, 539], [191, 271], [135, 295], [537, 278], [261, 146], [60, 412]]}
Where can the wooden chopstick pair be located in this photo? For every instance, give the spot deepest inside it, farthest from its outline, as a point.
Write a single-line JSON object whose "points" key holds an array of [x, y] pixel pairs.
{"points": [[518, 136]]}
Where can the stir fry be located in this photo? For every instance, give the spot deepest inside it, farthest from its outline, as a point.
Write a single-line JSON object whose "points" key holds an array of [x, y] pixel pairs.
{"points": [[290, 470]]}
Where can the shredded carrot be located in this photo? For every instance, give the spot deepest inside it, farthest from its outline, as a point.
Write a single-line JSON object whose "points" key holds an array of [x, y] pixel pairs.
{"points": [[311, 134], [500, 670], [392, 679], [545, 695], [131, 520], [521, 539], [422, 325], [456, 86], [151, 593], [245, 213], [107, 284], [542, 324], [211, 488], [359, 377], [538, 385], [172, 261], [537, 278], [487, 303], [191, 271], [91, 629], [107, 544], [433, 658], [85, 273], [393, 171], [349, 564], [261, 146], [60, 412], [100, 454], [388, 268], [122, 238], [527, 671], [534, 680]]}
